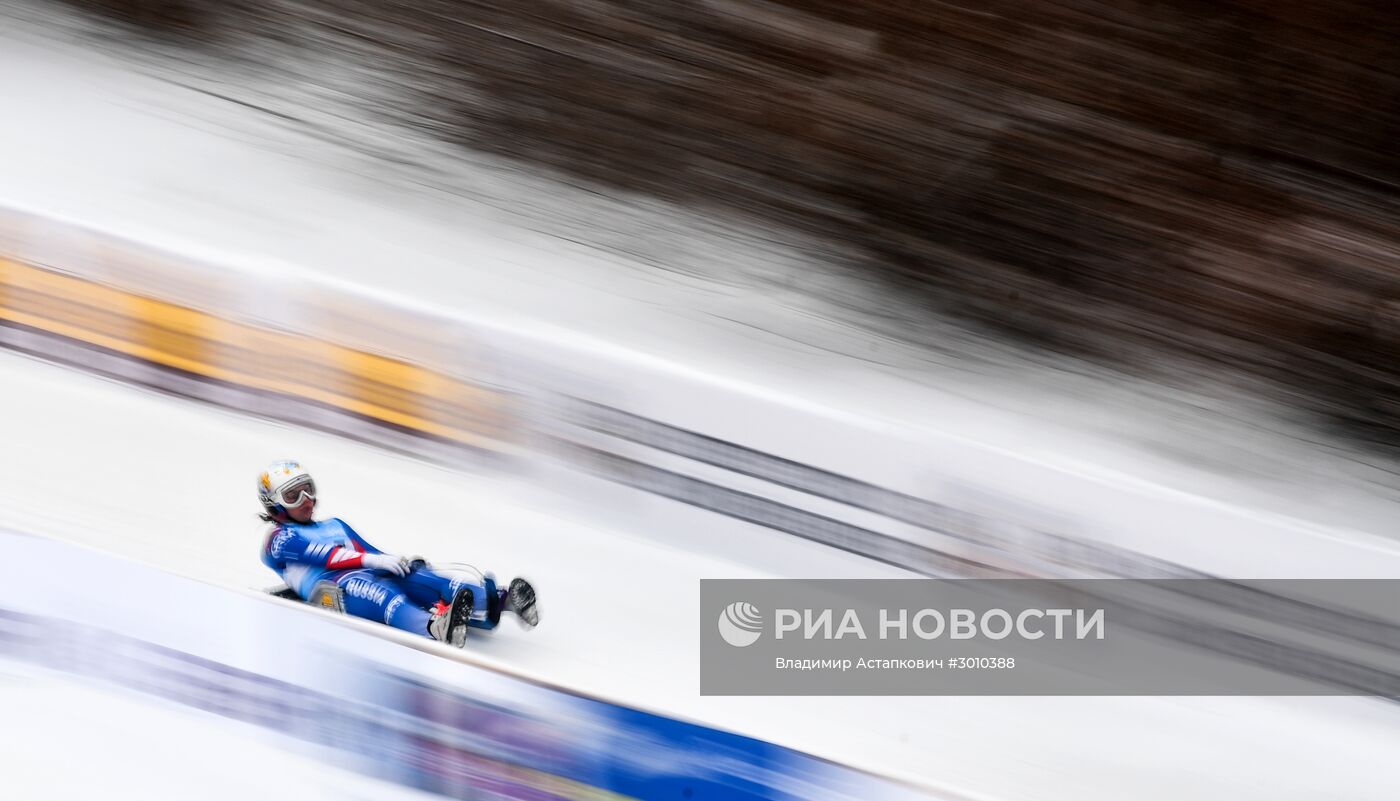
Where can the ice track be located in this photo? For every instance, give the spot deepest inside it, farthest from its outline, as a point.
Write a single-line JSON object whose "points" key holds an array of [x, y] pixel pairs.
{"points": [[169, 483]]}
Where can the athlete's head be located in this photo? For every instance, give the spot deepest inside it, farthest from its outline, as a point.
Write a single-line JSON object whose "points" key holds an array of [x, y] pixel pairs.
{"points": [[287, 492]]}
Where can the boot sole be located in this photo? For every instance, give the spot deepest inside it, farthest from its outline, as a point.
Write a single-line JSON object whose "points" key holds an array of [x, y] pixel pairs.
{"points": [[528, 595], [461, 613]]}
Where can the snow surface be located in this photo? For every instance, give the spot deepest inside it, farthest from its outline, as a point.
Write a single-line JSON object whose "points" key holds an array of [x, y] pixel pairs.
{"points": [[112, 132]]}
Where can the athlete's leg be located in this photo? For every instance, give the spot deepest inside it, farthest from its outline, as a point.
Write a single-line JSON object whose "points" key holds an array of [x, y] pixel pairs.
{"points": [[442, 585], [427, 586], [382, 599], [490, 605]]}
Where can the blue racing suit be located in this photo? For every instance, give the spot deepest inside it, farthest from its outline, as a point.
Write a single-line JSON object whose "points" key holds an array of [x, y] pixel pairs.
{"points": [[304, 554]]}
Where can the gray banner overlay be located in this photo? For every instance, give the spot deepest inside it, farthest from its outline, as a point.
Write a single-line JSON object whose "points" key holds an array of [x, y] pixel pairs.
{"points": [[1041, 637]]}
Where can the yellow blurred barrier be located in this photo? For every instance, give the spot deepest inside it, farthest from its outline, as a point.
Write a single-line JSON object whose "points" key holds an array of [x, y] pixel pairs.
{"points": [[373, 386]]}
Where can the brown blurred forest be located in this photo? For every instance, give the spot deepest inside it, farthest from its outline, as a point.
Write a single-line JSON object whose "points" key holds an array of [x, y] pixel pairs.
{"points": [[1174, 186]]}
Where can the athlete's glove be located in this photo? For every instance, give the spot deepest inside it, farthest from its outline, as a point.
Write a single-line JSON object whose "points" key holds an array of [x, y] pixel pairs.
{"points": [[398, 565]]}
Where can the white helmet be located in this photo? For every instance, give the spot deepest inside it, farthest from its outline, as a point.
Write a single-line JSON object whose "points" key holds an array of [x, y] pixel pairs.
{"points": [[283, 485]]}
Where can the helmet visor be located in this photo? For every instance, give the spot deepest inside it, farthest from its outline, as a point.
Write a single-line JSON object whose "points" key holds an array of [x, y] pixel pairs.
{"points": [[294, 492]]}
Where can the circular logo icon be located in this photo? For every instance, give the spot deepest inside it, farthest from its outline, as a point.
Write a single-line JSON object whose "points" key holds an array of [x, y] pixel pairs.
{"points": [[740, 624]]}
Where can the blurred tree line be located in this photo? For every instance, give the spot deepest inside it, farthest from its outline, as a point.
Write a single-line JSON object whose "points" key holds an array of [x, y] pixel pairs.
{"points": [[1176, 186]]}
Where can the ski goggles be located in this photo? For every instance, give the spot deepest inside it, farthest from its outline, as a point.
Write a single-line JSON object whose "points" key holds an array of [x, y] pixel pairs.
{"points": [[294, 492]]}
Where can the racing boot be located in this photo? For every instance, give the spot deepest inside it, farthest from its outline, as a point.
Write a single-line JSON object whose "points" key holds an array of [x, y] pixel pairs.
{"points": [[449, 621], [520, 599]]}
